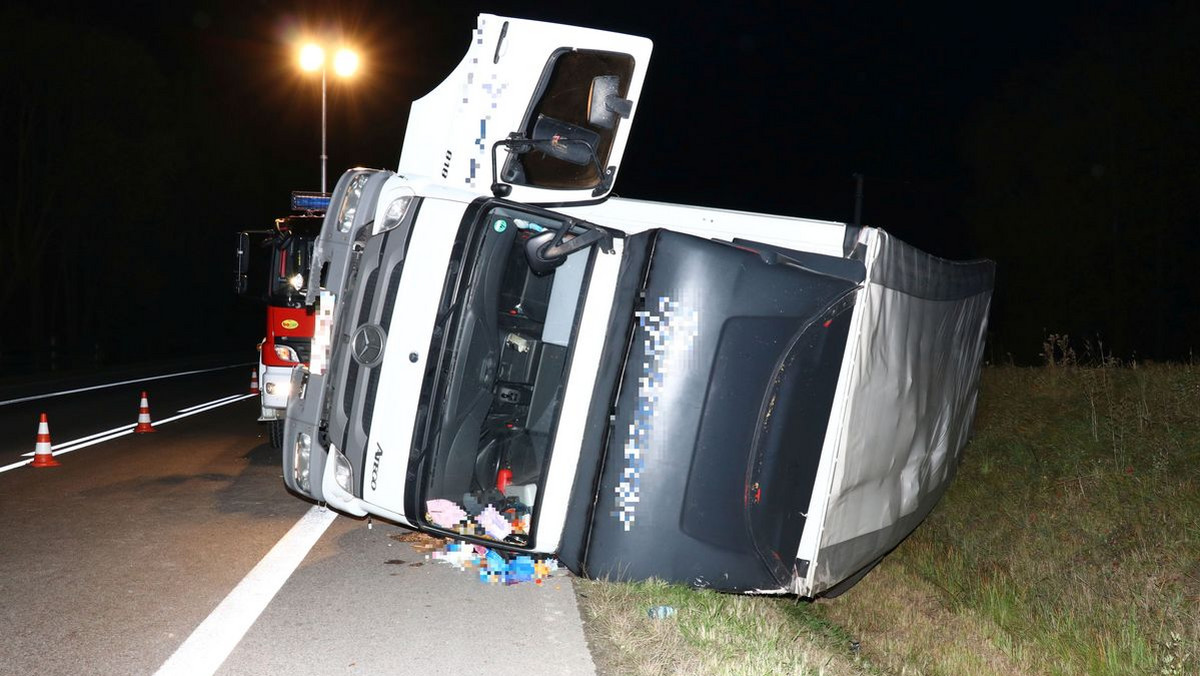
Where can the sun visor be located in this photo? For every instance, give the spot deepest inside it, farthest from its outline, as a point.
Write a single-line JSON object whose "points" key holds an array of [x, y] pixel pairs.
{"points": [[535, 112]]}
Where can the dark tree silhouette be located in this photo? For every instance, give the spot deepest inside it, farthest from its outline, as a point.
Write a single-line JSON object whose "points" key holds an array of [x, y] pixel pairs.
{"points": [[85, 114], [1086, 191]]}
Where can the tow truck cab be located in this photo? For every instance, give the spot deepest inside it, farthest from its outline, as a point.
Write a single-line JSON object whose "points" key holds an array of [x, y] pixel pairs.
{"points": [[279, 260], [506, 355]]}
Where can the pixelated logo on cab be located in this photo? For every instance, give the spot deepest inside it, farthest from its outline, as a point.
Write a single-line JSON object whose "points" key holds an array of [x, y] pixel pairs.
{"points": [[289, 324]]}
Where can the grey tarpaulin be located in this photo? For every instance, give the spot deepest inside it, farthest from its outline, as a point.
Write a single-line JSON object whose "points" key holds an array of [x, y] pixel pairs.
{"points": [[908, 395]]}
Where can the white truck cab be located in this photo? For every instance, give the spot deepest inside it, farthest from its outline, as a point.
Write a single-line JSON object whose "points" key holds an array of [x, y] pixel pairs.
{"points": [[507, 355]]}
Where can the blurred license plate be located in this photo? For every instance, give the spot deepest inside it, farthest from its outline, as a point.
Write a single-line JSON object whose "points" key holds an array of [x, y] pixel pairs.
{"points": [[319, 361]]}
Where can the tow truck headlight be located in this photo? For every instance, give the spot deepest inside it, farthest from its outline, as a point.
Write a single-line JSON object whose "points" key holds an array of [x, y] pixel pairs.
{"points": [[394, 215], [286, 353], [343, 472], [350, 202], [297, 282], [300, 461]]}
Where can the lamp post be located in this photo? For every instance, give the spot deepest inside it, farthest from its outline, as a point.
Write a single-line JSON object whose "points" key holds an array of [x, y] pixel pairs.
{"points": [[345, 63]]}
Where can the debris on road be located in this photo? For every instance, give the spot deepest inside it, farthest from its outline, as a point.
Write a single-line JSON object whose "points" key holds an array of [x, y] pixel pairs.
{"points": [[660, 612], [494, 567], [420, 541]]}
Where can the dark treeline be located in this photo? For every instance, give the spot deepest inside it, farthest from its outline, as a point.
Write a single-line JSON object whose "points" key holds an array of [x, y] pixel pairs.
{"points": [[136, 145], [1086, 191], [113, 187], [143, 137]]}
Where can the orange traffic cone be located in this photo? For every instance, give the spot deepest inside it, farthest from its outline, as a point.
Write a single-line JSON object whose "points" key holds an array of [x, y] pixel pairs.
{"points": [[42, 457], [144, 425], [254, 381]]}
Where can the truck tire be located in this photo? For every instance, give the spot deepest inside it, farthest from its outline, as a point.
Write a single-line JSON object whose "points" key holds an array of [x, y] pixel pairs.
{"points": [[276, 433]]}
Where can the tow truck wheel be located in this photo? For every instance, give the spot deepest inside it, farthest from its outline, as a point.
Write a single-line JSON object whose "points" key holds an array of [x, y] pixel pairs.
{"points": [[276, 433]]}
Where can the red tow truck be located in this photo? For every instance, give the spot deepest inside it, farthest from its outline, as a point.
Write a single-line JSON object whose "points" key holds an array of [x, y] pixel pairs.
{"points": [[272, 267]]}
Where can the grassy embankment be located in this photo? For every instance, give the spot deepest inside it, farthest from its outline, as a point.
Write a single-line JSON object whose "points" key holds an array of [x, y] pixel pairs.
{"points": [[1069, 543]]}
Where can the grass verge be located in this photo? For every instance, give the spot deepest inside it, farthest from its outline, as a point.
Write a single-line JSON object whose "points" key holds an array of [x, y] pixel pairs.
{"points": [[1070, 538], [1068, 544], [710, 633]]}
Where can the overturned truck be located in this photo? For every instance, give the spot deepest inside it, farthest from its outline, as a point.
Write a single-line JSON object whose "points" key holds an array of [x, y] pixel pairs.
{"points": [[507, 355]]}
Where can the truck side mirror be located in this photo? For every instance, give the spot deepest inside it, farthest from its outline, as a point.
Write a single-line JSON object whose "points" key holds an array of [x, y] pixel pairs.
{"points": [[546, 251], [536, 253], [243, 252], [240, 281], [564, 141], [252, 265], [604, 104]]}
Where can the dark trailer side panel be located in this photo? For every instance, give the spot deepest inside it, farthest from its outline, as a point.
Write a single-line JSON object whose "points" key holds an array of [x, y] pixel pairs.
{"points": [[710, 412]]}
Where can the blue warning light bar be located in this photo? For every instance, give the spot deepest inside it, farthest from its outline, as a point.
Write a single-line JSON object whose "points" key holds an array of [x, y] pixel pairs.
{"points": [[310, 201]]}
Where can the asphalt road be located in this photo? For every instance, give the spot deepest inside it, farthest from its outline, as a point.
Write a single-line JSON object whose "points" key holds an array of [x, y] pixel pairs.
{"points": [[110, 562]]}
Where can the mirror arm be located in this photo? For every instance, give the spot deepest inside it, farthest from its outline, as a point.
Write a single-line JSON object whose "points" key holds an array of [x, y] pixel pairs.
{"points": [[519, 145], [593, 235], [516, 143], [605, 175]]}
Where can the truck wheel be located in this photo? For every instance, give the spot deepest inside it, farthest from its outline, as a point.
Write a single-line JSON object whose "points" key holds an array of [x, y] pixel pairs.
{"points": [[276, 433]]}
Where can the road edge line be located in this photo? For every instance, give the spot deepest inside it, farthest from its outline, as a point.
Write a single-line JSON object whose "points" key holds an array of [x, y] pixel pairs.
{"points": [[208, 646], [102, 386]]}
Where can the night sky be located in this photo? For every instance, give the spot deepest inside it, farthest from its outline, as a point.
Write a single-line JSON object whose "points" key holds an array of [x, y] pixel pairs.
{"points": [[1057, 140]]}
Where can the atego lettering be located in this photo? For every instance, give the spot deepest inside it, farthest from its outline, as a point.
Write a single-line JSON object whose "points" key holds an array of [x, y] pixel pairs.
{"points": [[375, 467]]}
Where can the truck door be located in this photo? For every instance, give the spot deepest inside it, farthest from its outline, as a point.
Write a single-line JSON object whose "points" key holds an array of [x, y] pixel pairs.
{"points": [[536, 112]]}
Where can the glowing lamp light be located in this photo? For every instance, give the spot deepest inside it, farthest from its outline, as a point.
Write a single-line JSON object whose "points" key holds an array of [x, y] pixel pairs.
{"points": [[345, 62], [312, 57]]}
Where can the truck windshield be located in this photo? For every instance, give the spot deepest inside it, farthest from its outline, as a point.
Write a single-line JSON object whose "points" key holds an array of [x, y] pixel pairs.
{"points": [[502, 385], [291, 259]]}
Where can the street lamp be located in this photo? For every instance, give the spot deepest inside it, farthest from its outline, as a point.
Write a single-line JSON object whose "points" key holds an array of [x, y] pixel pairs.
{"points": [[345, 63]]}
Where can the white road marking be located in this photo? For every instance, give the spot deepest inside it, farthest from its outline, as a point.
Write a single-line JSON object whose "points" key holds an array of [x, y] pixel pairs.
{"points": [[123, 382], [89, 437], [15, 465], [206, 649], [207, 407], [84, 443], [214, 401], [100, 437]]}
